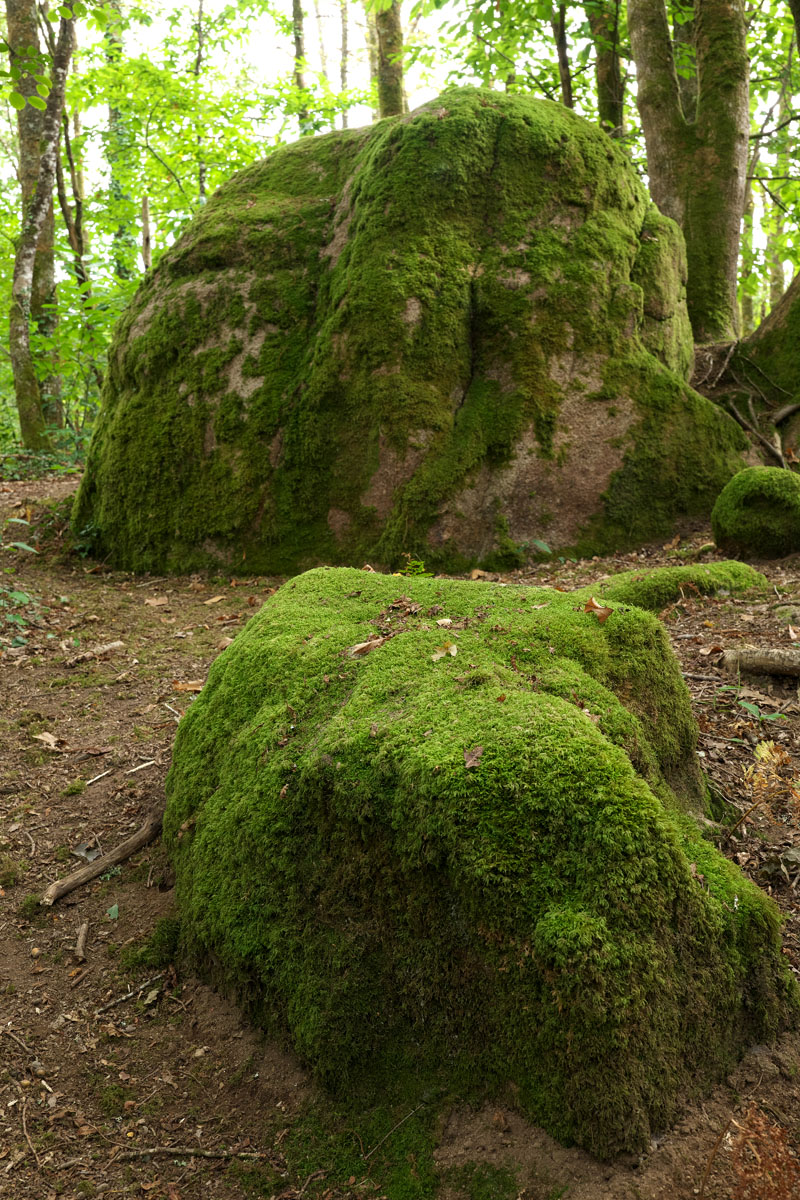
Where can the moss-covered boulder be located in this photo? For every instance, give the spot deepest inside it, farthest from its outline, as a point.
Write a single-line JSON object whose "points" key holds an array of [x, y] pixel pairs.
{"points": [[654, 589], [441, 832], [454, 334], [758, 513]]}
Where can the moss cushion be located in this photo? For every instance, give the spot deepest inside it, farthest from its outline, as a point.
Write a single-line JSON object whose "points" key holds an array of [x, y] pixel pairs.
{"points": [[758, 513], [444, 828]]}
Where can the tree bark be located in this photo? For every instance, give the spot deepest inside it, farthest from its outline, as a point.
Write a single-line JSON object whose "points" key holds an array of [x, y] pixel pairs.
{"points": [[697, 163], [124, 242], [389, 29], [298, 73], [372, 51], [345, 55], [603, 18], [196, 70], [23, 34], [559, 27], [26, 383]]}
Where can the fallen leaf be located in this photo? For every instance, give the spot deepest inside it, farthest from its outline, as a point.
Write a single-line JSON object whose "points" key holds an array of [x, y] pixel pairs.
{"points": [[156, 601], [214, 600], [501, 699], [444, 621], [189, 685], [473, 757], [600, 611], [152, 996], [477, 573], [51, 741], [362, 648], [442, 651], [113, 912], [793, 634], [706, 650]]}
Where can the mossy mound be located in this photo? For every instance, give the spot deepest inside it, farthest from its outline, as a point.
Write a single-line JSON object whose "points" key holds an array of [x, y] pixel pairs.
{"points": [[450, 334], [654, 589], [479, 865], [758, 513]]}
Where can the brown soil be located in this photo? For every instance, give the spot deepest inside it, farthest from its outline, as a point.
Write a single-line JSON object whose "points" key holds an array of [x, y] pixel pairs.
{"points": [[103, 1061]]}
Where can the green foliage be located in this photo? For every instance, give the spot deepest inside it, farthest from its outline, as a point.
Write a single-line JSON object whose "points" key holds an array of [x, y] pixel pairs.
{"points": [[448, 874], [10, 871], [758, 513]]}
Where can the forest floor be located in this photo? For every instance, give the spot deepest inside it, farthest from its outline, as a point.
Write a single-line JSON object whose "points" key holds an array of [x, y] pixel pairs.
{"points": [[121, 1077]]}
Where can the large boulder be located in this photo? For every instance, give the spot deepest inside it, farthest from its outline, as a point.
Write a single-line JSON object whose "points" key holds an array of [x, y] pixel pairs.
{"points": [[456, 334], [441, 832]]}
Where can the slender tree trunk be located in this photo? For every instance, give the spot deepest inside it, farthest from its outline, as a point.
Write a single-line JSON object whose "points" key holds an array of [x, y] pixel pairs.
{"points": [[389, 29], [697, 168], [115, 154], [748, 253], [299, 59], [196, 71], [147, 255], [372, 52], [345, 55], [603, 17], [558, 24], [26, 384], [22, 35]]}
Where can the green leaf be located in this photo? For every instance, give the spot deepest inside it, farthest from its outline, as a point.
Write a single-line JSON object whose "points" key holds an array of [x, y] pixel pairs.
{"points": [[37, 102], [21, 546], [17, 521], [16, 101], [753, 709], [113, 912], [43, 89], [64, 11]]}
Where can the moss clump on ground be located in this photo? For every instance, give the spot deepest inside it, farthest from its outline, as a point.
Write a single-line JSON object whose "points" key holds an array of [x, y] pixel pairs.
{"points": [[758, 513], [478, 865], [656, 588], [451, 334]]}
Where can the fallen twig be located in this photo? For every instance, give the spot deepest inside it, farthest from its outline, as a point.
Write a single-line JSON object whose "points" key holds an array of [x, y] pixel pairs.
{"points": [[712, 1156], [185, 1152], [407, 1117], [62, 887], [129, 995], [80, 944], [94, 652]]}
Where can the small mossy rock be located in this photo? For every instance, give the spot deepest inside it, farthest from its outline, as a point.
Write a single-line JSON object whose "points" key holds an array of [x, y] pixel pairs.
{"points": [[468, 852], [758, 513], [654, 589], [448, 334]]}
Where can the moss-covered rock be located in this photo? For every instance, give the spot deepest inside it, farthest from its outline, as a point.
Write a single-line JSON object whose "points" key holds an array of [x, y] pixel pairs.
{"points": [[467, 851], [450, 334], [657, 587], [758, 513]]}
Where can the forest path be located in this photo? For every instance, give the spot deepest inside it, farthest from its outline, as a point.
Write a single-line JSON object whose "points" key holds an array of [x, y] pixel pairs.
{"points": [[88, 1085]]}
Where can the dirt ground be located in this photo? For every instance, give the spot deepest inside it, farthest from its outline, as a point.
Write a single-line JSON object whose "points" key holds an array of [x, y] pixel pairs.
{"points": [[121, 1080]]}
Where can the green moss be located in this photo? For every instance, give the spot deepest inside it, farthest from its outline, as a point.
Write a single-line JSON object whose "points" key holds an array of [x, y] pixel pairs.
{"points": [[474, 871], [758, 513], [373, 331], [74, 788], [10, 871], [159, 950], [654, 589]]}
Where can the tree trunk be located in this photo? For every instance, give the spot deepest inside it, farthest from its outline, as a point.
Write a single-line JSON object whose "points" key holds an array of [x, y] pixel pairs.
{"points": [[389, 31], [769, 356], [344, 59], [196, 71], [559, 27], [748, 253], [603, 18], [298, 74], [372, 51], [22, 35], [26, 384], [697, 163], [124, 241]]}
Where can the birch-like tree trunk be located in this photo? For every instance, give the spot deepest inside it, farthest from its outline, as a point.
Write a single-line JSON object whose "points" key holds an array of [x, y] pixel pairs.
{"points": [[697, 162], [344, 60], [22, 35], [389, 30], [298, 73], [26, 384]]}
